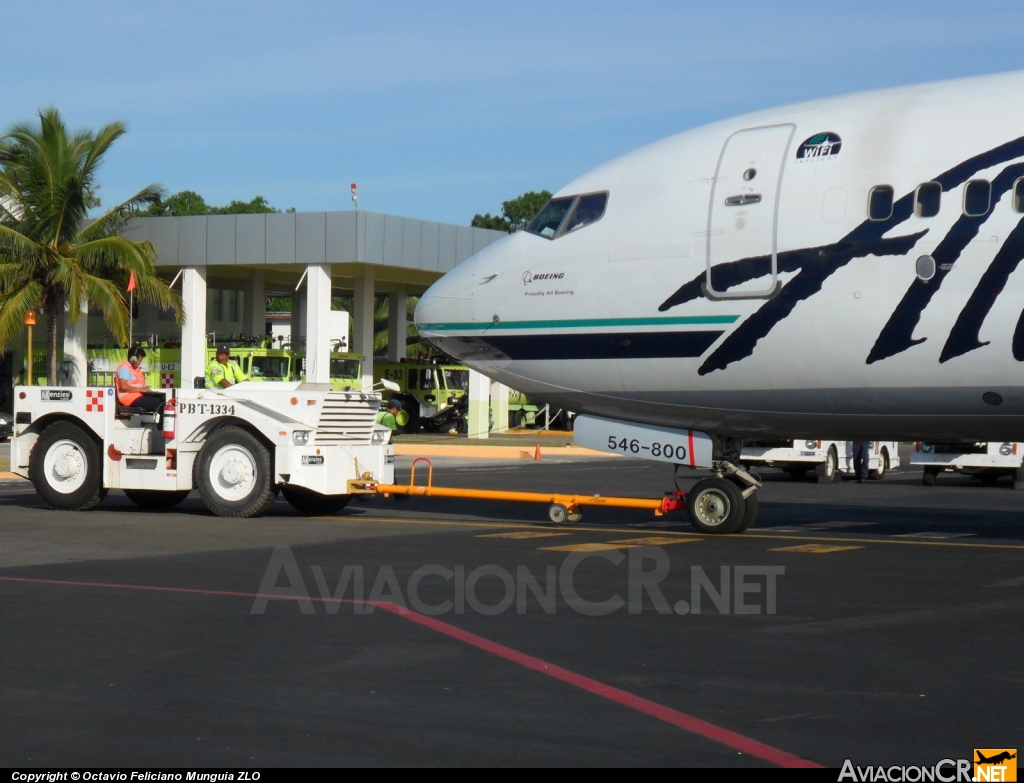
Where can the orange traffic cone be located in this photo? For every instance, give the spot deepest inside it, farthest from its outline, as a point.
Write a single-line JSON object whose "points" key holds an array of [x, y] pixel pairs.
{"points": [[536, 454]]}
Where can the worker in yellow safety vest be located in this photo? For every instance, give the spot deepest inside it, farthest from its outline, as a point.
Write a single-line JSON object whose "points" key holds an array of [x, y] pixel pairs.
{"points": [[393, 416], [221, 372]]}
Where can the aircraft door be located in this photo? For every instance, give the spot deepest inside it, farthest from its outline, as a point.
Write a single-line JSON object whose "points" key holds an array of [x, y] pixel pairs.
{"points": [[743, 214]]}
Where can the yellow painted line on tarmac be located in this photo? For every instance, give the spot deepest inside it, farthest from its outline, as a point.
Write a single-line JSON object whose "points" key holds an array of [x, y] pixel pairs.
{"points": [[629, 543], [748, 536], [815, 549], [897, 541], [654, 541], [518, 535], [580, 548]]}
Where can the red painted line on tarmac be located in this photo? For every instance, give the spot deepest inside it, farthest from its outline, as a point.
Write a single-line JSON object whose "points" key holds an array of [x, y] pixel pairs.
{"points": [[659, 711], [680, 719]]}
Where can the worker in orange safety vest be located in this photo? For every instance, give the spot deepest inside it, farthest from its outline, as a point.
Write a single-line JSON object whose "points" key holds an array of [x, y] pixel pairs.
{"points": [[132, 390]]}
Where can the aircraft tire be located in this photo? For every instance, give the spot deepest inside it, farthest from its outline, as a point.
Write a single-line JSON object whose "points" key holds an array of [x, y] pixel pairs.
{"points": [[930, 472], [234, 474], [154, 499], [750, 502], [66, 468], [313, 504], [1018, 478], [716, 506], [883, 467], [827, 471]]}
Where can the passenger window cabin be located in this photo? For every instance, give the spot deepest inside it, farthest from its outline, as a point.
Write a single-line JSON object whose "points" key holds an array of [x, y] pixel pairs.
{"points": [[977, 197], [927, 199], [880, 200], [1018, 195]]}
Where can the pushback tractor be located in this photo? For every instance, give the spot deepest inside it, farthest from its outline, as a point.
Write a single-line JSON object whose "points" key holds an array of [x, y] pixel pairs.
{"points": [[238, 447]]}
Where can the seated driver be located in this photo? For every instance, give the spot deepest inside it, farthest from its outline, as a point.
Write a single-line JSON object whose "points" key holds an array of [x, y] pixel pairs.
{"points": [[221, 372], [132, 389]]}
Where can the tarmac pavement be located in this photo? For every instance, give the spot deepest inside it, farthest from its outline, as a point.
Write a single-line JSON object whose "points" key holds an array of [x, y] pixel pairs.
{"points": [[888, 628]]}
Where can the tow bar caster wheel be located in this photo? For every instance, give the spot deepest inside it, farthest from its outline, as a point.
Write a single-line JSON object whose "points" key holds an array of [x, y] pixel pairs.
{"points": [[558, 513], [716, 505]]}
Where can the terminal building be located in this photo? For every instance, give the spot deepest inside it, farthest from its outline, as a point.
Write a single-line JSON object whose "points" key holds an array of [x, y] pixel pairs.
{"points": [[226, 267]]}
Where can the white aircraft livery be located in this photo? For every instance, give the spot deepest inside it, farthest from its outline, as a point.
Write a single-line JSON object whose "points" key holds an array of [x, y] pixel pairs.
{"points": [[843, 268]]}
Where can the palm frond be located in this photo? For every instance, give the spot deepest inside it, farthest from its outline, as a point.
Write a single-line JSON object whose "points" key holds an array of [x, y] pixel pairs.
{"points": [[114, 220], [109, 298], [13, 309]]}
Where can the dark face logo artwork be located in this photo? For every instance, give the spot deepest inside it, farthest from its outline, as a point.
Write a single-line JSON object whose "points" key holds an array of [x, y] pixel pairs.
{"points": [[813, 266]]}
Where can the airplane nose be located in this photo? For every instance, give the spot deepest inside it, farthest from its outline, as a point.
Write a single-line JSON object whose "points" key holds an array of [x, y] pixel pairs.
{"points": [[448, 301]]}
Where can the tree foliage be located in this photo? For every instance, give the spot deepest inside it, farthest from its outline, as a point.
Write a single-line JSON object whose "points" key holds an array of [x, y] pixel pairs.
{"points": [[516, 213], [188, 202], [49, 257]]}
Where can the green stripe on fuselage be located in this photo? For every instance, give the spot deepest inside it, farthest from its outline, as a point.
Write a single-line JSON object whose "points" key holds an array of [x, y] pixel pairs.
{"points": [[684, 320]]}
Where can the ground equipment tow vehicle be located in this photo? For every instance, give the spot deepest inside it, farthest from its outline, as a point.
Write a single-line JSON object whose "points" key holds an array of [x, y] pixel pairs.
{"points": [[827, 458], [238, 447], [436, 396], [986, 461], [346, 369], [528, 412]]}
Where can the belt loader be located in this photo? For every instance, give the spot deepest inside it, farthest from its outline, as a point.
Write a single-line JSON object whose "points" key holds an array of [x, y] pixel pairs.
{"points": [[238, 447]]}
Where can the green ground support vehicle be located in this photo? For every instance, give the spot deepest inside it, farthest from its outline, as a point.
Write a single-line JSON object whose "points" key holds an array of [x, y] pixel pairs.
{"points": [[436, 396], [525, 412], [346, 369], [264, 364]]}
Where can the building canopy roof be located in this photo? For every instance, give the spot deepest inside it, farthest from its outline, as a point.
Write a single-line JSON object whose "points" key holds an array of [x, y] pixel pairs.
{"points": [[348, 237]]}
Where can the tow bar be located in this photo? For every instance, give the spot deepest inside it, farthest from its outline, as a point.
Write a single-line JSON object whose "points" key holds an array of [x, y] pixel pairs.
{"points": [[562, 508]]}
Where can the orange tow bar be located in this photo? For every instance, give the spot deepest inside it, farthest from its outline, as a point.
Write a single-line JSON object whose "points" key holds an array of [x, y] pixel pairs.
{"points": [[562, 507]]}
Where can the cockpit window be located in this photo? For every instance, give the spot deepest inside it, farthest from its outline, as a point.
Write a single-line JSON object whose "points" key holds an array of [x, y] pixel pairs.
{"points": [[550, 217], [588, 209]]}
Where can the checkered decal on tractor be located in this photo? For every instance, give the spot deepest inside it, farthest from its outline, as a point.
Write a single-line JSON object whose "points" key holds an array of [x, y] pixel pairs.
{"points": [[167, 380], [94, 400]]}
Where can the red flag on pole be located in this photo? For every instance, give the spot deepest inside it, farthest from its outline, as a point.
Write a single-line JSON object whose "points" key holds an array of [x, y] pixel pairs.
{"points": [[131, 282]]}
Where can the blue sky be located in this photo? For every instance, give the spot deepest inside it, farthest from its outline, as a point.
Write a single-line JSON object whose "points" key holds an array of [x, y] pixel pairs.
{"points": [[440, 110]]}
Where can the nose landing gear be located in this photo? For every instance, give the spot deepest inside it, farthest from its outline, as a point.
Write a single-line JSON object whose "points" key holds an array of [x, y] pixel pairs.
{"points": [[724, 503]]}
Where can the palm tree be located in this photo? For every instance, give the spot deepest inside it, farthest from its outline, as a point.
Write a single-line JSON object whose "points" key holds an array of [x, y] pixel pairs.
{"points": [[50, 256]]}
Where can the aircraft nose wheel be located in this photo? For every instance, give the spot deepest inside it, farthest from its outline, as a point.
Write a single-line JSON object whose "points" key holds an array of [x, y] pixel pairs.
{"points": [[716, 505]]}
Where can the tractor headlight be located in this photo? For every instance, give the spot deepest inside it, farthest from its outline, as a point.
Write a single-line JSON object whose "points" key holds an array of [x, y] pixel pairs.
{"points": [[1006, 449], [379, 437], [811, 444], [927, 448], [300, 437]]}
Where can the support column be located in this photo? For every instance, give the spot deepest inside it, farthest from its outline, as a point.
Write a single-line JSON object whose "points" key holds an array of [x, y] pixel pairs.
{"points": [[499, 406], [362, 327], [318, 323], [193, 332], [254, 306], [479, 405], [76, 359], [298, 325], [397, 326]]}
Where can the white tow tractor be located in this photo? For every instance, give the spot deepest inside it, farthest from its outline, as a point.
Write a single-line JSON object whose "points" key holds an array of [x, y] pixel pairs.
{"points": [[985, 461], [828, 458], [238, 447]]}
